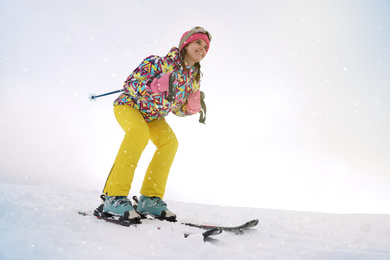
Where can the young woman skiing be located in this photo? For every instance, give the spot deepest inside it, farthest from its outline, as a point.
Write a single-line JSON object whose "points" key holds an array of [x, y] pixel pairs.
{"points": [[158, 86]]}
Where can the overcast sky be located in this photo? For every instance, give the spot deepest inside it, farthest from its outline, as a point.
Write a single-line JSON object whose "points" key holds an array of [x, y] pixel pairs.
{"points": [[297, 94]]}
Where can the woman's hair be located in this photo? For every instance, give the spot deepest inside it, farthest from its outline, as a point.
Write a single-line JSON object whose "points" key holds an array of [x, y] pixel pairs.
{"points": [[197, 65]]}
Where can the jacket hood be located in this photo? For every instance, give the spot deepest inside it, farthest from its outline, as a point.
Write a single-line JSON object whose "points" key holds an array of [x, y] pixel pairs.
{"points": [[175, 55]]}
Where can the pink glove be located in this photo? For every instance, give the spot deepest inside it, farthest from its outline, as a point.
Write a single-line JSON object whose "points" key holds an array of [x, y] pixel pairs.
{"points": [[162, 84], [193, 102]]}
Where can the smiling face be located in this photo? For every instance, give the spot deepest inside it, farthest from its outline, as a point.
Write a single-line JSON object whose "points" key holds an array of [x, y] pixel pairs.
{"points": [[195, 52]]}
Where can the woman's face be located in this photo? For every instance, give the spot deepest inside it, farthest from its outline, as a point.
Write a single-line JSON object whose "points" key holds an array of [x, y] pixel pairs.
{"points": [[195, 52]]}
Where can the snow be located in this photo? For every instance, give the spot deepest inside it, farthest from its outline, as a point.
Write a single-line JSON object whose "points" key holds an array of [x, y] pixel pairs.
{"points": [[41, 222]]}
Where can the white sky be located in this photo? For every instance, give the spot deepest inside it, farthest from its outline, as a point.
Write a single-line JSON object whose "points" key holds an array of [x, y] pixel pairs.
{"points": [[297, 95]]}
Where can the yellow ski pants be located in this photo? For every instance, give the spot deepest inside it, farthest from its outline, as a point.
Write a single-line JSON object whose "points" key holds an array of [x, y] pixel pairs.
{"points": [[137, 135]]}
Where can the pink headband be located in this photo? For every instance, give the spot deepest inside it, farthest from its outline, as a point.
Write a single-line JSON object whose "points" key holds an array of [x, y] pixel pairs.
{"points": [[194, 35]]}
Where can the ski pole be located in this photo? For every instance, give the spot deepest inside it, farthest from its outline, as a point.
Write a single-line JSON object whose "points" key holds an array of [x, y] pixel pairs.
{"points": [[93, 97]]}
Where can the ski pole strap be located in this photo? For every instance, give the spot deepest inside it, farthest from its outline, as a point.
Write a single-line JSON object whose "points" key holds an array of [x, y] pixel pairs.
{"points": [[202, 117]]}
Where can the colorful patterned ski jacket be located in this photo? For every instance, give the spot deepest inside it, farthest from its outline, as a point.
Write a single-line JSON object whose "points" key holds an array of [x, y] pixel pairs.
{"points": [[138, 93]]}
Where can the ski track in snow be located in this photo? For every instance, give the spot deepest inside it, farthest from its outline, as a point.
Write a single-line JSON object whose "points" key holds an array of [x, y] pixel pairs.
{"points": [[41, 222]]}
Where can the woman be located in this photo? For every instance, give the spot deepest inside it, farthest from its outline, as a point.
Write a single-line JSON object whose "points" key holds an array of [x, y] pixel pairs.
{"points": [[158, 86]]}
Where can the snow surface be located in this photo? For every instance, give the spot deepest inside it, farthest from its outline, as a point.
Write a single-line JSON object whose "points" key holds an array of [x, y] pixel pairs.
{"points": [[41, 222]]}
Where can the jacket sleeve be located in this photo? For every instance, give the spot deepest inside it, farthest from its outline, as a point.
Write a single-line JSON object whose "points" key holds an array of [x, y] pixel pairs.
{"points": [[181, 111], [138, 82]]}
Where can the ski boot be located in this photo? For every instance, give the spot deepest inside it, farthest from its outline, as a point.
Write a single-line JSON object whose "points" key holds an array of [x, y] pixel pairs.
{"points": [[118, 206], [155, 207]]}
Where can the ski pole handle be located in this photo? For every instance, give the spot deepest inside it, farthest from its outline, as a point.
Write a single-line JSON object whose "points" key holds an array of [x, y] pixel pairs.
{"points": [[172, 84], [93, 97]]}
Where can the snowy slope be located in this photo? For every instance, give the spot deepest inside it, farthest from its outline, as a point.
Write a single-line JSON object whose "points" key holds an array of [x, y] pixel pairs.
{"points": [[41, 222]]}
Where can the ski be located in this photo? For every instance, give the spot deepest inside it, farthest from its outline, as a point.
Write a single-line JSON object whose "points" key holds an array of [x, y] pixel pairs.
{"points": [[127, 223], [235, 229], [211, 229], [112, 218]]}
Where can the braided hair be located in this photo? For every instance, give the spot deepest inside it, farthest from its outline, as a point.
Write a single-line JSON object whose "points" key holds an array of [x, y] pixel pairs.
{"points": [[197, 65]]}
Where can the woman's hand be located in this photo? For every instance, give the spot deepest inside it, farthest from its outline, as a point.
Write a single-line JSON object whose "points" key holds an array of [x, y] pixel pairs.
{"points": [[165, 84], [193, 102]]}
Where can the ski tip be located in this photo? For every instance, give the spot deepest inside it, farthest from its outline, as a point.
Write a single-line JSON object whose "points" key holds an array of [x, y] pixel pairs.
{"points": [[212, 232], [253, 222]]}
